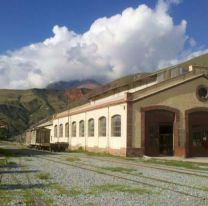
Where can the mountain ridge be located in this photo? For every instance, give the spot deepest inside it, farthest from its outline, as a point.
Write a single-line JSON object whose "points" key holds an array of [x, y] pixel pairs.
{"points": [[23, 108]]}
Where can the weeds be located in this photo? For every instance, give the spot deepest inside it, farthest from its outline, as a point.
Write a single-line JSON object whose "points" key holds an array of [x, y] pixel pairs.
{"points": [[43, 176], [72, 159], [61, 189], [75, 191], [11, 163], [176, 163], [98, 189], [119, 169]]}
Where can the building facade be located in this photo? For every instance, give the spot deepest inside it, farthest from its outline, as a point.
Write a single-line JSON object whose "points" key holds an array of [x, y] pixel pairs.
{"points": [[162, 113]]}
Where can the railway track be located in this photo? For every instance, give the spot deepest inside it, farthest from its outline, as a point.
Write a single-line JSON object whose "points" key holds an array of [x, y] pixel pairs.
{"points": [[36, 201], [141, 176], [133, 179], [195, 173], [167, 185], [198, 173]]}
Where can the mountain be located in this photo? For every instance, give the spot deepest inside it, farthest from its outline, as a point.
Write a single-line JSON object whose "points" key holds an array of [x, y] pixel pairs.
{"points": [[201, 60], [128, 81], [62, 85], [22, 108]]}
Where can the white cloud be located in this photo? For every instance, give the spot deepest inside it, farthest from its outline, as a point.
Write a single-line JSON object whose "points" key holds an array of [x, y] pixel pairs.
{"points": [[136, 40]]}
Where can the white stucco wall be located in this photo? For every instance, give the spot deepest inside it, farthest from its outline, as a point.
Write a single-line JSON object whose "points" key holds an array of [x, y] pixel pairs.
{"points": [[96, 141]]}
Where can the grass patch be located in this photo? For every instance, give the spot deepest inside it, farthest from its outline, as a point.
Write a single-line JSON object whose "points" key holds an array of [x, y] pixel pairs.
{"points": [[119, 169], [61, 189], [41, 193], [7, 196], [2, 162], [99, 154], [29, 195], [43, 175], [6, 152], [90, 204], [72, 159], [75, 191], [205, 189], [28, 159], [98, 189], [12, 163], [176, 163]]}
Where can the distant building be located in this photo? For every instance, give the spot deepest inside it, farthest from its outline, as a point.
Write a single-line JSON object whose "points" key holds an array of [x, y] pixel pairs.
{"points": [[39, 136], [162, 113]]}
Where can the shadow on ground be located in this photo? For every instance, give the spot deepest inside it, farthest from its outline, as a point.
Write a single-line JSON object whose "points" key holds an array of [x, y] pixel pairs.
{"points": [[16, 152], [21, 186], [17, 171]]}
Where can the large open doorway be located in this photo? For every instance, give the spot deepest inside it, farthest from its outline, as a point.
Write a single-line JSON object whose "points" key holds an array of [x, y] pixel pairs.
{"points": [[159, 132], [197, 133], [166, 139]]}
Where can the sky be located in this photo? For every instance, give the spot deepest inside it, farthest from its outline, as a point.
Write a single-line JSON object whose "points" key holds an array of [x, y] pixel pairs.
{"points": [[43, 41]]}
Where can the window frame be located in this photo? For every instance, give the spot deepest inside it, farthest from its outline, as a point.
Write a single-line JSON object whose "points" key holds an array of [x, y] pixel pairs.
{"points": [[61, 130], [66, 129], [102, 128], [81, 128], [55, 131], [91, 127], [116, 126], [74, 129]]}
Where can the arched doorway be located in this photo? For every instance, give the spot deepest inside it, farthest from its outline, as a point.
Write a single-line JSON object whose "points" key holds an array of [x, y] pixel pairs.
{"points": [[159, 130], [197, 132]]}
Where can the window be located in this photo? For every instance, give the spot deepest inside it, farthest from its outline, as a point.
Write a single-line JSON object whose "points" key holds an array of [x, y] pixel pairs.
{"points": [[81, 128], [74, 129], [116, 126], [67, 130], [61, 130], [102, 127], [91, 128], [55, 131], [202, 93]]}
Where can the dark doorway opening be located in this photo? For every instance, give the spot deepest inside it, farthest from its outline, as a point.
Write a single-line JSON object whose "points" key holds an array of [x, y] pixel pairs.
{"points": [[166, 139], [198, 134], [159, 135]]}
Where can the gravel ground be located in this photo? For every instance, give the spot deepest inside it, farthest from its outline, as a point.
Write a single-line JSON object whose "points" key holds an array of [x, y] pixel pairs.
{"points": [[33, 178]]}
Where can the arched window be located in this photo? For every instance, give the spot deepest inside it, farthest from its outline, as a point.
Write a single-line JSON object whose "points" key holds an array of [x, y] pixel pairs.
{"points": [[81, 128], [61, 130], [116, 126], [55, 131], [67, 129], [102, 127], [74, 129], [91, 128]]}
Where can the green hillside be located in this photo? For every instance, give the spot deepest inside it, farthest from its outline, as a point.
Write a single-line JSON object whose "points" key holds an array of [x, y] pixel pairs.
{"points": [[22, 108], [201, 60]]}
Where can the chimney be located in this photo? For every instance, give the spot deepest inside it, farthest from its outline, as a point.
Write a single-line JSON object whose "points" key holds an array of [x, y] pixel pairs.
{"points": [[191, 68]]}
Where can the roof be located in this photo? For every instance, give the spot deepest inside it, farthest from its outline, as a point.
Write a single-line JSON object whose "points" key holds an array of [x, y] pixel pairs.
{"points": [[138, 80], [45, 124]]}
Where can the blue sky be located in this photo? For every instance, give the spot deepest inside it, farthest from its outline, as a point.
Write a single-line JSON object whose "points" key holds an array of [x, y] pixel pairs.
{"points": [[44, 41], [29, 21]]}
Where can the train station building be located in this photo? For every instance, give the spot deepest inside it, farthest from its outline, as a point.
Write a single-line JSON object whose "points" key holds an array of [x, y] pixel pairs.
{"points": [[156, 114]]}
